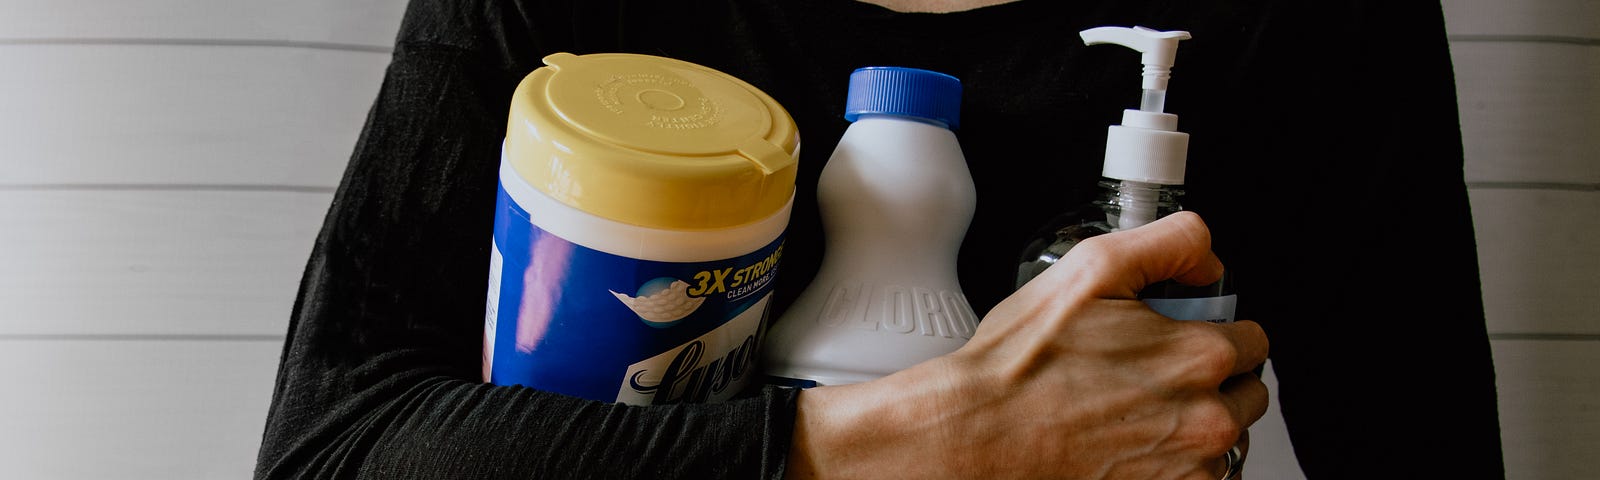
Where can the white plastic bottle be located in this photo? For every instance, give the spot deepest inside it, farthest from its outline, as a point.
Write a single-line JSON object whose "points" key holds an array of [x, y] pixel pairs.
{"points": [[896, 199], [1143, 178]]}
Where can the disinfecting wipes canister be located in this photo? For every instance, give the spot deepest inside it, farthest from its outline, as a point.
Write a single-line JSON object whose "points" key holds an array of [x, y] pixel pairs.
{"points": [[638, 230]]}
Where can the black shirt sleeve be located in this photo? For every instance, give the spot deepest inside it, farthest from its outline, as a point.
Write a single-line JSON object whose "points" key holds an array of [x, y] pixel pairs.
{"points": [[380, 373], [1360, 246]]}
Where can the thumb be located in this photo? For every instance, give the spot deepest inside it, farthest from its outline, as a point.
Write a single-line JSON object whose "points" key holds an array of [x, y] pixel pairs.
{"points": [[1121, 263]]}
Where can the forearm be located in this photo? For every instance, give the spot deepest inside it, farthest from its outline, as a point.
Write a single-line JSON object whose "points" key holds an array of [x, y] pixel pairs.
{"points": [[451, 428], [379, 379], [364, 392]]}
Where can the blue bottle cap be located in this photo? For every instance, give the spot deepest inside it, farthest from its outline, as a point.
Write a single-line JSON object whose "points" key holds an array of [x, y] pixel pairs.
{"points": [[904, 91]]}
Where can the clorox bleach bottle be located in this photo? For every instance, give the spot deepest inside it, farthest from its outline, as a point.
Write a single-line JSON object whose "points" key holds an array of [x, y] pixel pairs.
{"points": [[896, 199], [638, 230]]}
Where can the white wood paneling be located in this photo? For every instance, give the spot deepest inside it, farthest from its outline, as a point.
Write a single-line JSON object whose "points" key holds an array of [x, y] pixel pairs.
{"points": [[1527, 76], [148, 262], [143, 114], [128, 95], [1549, 408], [1539, 259], [133, 410], [1565, 18], [359, 22], [1271, 454], [1530, 112]]}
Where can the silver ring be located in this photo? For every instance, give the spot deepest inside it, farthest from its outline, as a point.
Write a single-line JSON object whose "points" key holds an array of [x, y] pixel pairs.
{"points": [[1235, 461]]}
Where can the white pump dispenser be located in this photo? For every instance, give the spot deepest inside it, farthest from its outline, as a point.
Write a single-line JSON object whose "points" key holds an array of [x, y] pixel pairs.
{"points": [[1144, 170], [1146, 147], [1159, 49]]}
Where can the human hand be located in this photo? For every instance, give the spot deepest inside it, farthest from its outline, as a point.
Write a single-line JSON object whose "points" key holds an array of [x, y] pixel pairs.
{"points": [[1070, 377]]}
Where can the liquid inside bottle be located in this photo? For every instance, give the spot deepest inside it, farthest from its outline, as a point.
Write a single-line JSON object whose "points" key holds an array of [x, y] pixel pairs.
{"points": [[1122, 205]]}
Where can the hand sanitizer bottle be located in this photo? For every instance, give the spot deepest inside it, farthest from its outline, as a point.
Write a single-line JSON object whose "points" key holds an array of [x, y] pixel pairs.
{"points": [[1143, 179]]}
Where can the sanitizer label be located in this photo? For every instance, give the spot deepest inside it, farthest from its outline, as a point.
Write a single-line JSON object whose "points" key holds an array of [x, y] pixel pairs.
{"points": [[574, 320], [1207, 309]]}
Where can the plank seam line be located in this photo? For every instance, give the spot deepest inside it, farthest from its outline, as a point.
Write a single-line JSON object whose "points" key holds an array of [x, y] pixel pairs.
{"points": [[167, 187], [141, 337], [1559, 337], [1575, 187], [1566, 40], [203, 42]]}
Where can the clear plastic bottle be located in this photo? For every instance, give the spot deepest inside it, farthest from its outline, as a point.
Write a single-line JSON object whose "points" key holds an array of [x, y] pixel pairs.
{"points": [[1143, 202], [1142, 181], [896, 199]]}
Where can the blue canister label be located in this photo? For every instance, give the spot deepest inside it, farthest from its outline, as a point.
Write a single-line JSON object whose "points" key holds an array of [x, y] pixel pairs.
{"points": [[566, 318]]}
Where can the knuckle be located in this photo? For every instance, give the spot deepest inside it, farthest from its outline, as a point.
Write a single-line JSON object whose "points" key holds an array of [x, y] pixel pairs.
{"points": [[1257, 332], [1257, 391], [1214, 429], [1252, 334], [1212, 356], [1093, 260], [1093, 251], [1192, 227]]}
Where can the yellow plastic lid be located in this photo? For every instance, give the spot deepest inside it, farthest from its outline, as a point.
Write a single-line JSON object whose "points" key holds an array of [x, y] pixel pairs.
{"points": [[652, 141]]}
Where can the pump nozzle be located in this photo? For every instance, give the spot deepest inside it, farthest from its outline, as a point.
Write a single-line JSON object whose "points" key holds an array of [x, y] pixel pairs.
{"points": [[1159, 49], [1147, 148]]}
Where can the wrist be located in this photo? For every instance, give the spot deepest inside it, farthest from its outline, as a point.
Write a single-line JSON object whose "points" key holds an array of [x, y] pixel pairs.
{"points": [[829, 423], [864, 430]]}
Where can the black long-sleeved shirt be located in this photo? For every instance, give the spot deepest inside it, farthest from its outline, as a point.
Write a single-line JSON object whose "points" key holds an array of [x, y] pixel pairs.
{"points": [[1325, 155]]}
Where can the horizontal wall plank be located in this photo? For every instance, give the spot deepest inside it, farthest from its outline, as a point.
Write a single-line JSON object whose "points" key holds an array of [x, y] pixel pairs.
{"points": [[1539, 259], [133, 410], [1565, 18], [146, 114], [358, 22], [153, 262], [1530, 112], [1549, 408]]}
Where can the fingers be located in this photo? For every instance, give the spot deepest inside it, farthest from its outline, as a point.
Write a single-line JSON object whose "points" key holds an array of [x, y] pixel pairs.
{"points": [[1246, 398], [1204, 354], [1120, 264], [1244, 451], [1239, 463], [1249, 342]]}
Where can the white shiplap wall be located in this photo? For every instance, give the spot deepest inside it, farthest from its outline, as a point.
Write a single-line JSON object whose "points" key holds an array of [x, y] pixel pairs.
{"points": [[164, 167], [165, 164], [1528, 81]]}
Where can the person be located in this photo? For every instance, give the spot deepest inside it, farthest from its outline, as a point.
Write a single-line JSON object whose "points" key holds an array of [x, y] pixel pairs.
{"points": [[1324, 171]]}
